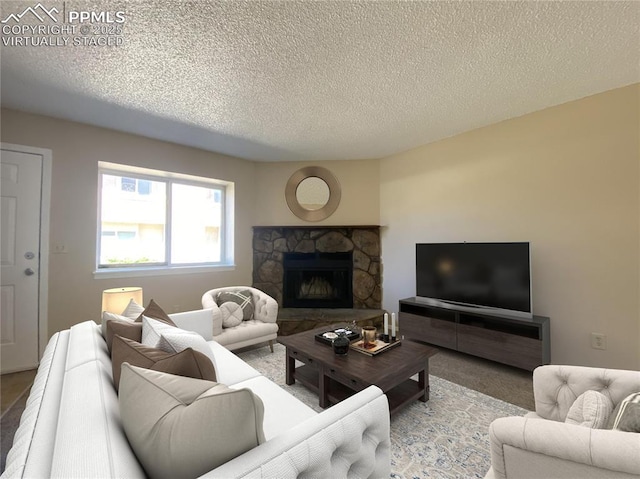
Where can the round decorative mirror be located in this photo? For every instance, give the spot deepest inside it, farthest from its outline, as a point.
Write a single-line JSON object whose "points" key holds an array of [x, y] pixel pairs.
{"points": [[312, 193]]}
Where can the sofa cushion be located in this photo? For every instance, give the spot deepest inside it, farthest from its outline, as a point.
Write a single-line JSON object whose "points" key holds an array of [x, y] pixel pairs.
{"points": [[626, 416], [246, 333], [232, 314], [133, 310], [153, 310], [591, 409], [184, 427], [127, 329], [107, 316], [188, 362], [282, 411], [230, 369], [177, 340], [242, 298]]}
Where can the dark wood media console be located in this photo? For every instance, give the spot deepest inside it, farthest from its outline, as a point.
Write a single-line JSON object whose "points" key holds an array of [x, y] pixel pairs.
{"points": [[519, 342]]}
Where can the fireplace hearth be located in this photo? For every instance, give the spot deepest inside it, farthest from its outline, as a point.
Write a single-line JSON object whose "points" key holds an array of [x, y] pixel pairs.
{"points": [[317, 280]]}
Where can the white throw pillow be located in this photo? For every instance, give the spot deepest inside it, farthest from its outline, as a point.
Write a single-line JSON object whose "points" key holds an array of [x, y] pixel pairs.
{"points": [[591, 409], [184, 427], [107, 316], [152, 330], [178, 340], [133, 310], [232, 314]]}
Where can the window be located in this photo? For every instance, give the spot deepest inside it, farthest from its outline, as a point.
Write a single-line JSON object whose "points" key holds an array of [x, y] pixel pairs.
{"points": [[154, 219]]}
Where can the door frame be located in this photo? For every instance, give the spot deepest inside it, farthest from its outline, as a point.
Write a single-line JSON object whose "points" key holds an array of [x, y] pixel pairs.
{"points": [[43, 263]]}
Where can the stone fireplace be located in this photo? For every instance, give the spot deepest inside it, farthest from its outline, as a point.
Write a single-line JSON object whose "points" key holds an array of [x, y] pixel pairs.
{"points": [[319, 267]]}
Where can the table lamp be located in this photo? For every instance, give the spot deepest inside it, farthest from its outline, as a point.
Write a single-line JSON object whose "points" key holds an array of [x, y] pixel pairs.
{"points": [[116, 300]]}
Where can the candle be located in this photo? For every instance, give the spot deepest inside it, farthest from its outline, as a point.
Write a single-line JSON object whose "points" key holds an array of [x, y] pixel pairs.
{"points": [[386, 324], [393, 325]]}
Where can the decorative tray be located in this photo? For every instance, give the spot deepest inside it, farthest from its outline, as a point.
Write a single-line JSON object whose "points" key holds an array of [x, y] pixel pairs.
{"points": [[329, 336], [380, 347]]}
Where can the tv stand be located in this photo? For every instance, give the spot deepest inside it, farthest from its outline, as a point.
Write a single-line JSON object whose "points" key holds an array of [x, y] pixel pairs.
{"points": [[519, 342]]}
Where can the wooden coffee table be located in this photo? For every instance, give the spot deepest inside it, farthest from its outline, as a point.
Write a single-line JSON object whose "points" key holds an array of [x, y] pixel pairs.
{"points": [[334, 378]]}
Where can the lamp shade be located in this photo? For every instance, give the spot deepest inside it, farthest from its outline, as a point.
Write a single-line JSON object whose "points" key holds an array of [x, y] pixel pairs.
{"points": [[116, 300]]}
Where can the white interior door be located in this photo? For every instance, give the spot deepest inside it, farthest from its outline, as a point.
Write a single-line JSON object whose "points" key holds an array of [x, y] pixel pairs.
{"points": [[20, 225]]}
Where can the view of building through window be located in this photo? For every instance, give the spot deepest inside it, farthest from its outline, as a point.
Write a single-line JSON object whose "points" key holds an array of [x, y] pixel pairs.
{"points": [[159, 221]]}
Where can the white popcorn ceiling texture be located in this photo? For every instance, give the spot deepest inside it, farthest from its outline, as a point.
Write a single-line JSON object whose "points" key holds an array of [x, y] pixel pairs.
{"points": [[306, 80]]}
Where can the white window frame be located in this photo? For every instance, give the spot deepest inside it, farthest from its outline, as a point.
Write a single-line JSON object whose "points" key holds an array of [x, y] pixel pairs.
{"points": [[226, 262]]}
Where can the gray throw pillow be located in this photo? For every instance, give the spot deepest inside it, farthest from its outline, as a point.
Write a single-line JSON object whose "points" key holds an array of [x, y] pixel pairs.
{"points": [[185, 427], [626, 416], [591, 409], [243, 298]]}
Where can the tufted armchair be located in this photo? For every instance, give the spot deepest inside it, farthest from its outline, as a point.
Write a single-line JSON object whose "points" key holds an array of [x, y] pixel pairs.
{"points": [[541, 444], [262, 328]]}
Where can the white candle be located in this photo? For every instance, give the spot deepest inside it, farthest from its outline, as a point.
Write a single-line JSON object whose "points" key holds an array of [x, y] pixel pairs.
{"points": [[386, 324], [393, 325]]}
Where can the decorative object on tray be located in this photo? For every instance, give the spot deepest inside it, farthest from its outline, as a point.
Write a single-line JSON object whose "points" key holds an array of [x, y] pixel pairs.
{"points": [[341, 343], [329, 336], [369, 334], [378, 347]]}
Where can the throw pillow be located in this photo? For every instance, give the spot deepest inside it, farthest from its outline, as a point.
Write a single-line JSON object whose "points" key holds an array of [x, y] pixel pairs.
{"points": [[127, 329], [133, 310], [591, 409], [232, 314], [152, 330], [188, 363], [107, 316], [156, 312], [172, 339], [185, 427], [243, 298], [626, 416]]}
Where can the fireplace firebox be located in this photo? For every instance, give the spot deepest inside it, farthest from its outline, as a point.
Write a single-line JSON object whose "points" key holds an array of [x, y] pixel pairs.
{"points": [[318, 280]]}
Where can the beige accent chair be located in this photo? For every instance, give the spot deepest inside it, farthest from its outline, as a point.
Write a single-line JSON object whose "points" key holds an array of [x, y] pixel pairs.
{"points": [[262, 328], [541, 444]]}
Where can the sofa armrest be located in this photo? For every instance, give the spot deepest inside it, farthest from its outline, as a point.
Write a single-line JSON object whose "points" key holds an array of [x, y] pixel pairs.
{"points": [[572, 451], [350, 439], [199, 321]]}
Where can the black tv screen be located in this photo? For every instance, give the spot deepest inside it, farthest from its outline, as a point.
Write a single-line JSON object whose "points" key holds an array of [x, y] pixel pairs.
{"points": [[495, 276]]}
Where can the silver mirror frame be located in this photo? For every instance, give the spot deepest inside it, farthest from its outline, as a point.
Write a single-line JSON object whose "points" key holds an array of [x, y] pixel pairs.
{"points": [[334, 193]]}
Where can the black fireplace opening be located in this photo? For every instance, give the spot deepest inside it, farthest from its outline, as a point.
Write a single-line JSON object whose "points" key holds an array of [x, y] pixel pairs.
{"points": [[317, 280]]}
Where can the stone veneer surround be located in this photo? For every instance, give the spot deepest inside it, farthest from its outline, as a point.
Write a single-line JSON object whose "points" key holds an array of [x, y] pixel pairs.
{"points": [[271, 242]]}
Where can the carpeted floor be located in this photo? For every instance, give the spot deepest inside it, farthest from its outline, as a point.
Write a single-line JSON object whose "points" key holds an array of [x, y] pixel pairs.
{"points": [[446, 437]]}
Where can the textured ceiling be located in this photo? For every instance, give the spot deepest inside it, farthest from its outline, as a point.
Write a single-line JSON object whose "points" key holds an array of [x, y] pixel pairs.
{"points": [[303, 80]]}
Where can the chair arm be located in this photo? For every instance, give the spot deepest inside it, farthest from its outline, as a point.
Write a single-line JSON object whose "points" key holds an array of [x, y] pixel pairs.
{"points": [[577, 448], [209, 302], [351, 439], [265, 308], [556, 387]]}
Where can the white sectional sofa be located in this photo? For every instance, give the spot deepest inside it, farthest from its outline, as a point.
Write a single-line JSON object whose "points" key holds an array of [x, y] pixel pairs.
{"points": [[71, 426]]}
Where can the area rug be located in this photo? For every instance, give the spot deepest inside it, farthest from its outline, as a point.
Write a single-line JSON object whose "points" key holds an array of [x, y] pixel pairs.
{"points": [[446, 437]]}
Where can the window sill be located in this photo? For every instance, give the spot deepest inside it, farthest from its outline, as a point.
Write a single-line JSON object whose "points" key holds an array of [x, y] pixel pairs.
{"points": [[109, 273]]}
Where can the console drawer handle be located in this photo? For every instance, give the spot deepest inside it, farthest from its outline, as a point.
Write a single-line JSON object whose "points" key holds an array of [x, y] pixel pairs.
{"points": [[295, 353], [353, 381], [332, 370], [310, 360]]}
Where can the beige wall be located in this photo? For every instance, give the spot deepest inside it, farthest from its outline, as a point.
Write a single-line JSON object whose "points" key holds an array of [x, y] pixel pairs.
{"points": [[359, 181], [74, 294], [567, 180]]}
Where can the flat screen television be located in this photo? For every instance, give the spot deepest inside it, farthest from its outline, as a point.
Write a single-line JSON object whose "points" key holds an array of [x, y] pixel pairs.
{"points": [[479, 277]]}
